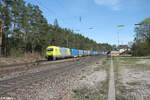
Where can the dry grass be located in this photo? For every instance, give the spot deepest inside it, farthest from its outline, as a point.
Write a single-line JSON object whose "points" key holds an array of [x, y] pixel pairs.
{"points": [[100, 89], [28, 57], [133, 73]]}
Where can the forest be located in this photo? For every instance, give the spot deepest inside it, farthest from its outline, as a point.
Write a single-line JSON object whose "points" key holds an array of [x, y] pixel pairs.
{"points": [[141, 44], [24, 29]]}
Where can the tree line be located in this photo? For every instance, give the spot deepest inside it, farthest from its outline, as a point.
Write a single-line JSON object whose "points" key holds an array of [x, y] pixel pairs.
{"points": [[24, 29], [141, 44]]}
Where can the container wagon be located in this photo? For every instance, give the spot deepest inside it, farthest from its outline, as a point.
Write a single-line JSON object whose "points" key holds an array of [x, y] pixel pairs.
{"points": [[74, 52]]}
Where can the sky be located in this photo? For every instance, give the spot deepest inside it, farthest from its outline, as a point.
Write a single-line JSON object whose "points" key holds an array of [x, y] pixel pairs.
{"points": [[97, 19]]}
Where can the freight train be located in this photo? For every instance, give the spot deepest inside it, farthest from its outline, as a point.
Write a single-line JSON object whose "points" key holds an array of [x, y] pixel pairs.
{"points": [[55, 52]]}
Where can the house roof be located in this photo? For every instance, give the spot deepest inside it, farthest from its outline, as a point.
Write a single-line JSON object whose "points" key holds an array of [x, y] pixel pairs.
{"points": [[122, 46]]}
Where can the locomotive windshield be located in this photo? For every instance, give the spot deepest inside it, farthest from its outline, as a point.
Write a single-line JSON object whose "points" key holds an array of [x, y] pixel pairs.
{"points": [[50, 49]]}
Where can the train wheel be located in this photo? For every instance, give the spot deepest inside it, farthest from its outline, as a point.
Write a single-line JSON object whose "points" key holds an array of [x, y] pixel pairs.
{"points": [[48, 59]]}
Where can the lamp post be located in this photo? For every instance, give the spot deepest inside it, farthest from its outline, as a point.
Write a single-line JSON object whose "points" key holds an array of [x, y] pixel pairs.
{"points": [[119, 26]]}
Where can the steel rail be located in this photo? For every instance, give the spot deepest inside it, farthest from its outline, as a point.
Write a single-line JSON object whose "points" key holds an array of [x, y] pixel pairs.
{"points": [[27, 66], [14, 83]]}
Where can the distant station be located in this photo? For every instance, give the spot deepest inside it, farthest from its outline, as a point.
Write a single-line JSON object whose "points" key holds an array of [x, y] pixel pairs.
{"points": [[121, 49]]}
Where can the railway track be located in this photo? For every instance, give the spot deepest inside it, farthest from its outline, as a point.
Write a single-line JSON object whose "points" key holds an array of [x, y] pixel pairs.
{"points": [[27, 66], [20, 64], [20, 81]]}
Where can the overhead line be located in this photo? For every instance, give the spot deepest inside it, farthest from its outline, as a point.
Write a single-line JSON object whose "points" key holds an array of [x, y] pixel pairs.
{"points": [[57, 1], [45, 7]]}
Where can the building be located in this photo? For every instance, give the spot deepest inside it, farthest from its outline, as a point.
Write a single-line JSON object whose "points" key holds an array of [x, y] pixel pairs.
{"points": [[122, 48], [115, 53]]}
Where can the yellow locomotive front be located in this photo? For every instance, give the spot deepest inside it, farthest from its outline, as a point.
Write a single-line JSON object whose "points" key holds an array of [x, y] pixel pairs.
{"points": [[52, 52]]}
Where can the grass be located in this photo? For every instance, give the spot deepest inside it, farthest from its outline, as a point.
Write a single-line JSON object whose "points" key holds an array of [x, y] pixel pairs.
{"points": [[22, 73], [133, 62], [133, 83], [97, 68], [81, 93], [82, 77], [116, 66], [37, 63], [105, 61], [116, 62], [120, 97], [127, 62], [104, 66], [143, 65], [136, 57], [85, 93], [83, 70], [78, 59], [28, 57], [99, 91], [1, 76]]}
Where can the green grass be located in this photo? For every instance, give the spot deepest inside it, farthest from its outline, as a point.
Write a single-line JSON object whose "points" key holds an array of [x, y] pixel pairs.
{"points": [[37, 63], [85, 93], [1, 76], [120, 97], [81, 93], [82, 77], [133, 62], [133, 83], [97, 68], [142, 65], [127, 60], [116, 63]]}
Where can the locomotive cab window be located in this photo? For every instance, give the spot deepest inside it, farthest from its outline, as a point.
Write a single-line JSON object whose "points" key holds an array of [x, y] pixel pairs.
{"points": [[49, 49]]}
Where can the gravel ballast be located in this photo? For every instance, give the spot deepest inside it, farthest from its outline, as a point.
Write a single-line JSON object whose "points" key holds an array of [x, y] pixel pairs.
{"points": [[60, 86]]}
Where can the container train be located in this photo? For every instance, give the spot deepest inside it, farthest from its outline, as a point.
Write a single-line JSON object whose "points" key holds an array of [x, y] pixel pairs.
{"points": [[55, 52]]}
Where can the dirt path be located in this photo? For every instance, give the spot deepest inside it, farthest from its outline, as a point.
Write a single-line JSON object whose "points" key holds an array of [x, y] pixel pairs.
{"points": [[111, 91]]}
